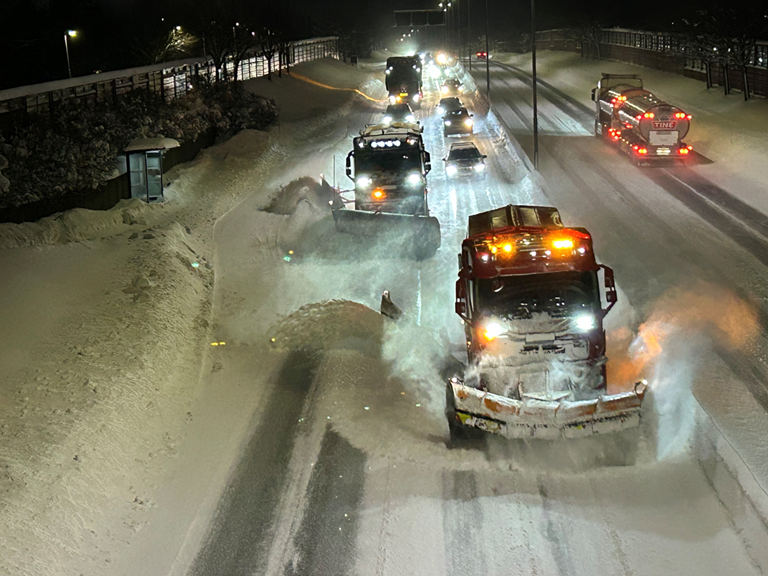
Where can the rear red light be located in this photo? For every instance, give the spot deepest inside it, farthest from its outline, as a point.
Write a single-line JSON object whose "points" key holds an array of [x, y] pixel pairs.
{"points": [[642, 151], [689, 117], [648, 115], [683, 151]]}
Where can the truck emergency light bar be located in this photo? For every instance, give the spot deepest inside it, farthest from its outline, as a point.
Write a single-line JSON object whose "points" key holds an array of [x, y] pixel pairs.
{"points": [[514, 216], [393, 129]]}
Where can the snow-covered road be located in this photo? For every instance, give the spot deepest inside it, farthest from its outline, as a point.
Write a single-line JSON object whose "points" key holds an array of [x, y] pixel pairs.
{"points": [[343, 466]]}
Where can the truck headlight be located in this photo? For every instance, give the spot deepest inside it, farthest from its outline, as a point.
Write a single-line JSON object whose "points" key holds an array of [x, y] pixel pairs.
{"points": [[451, 170], [414, 179], [416, 97], [585, 322], [410, 118], [364, 181], [469, 122], [387, 119], [447, 122], [492, 330], [392, 99]]}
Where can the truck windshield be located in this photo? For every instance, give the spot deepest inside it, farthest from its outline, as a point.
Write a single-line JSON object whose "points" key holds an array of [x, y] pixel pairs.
{"points": [[369, 160], [559, 294]]}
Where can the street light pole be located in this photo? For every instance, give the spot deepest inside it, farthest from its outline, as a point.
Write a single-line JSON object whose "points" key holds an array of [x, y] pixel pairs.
{"points": [[69, 33], [535, 100], [469, 34], [487, 56]]}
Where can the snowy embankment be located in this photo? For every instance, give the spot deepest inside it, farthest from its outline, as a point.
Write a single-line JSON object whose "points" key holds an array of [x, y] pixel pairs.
{"points": [[104, 330], [710, 409]]}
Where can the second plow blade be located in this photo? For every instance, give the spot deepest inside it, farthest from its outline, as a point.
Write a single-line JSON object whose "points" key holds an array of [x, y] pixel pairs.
{"points": [[396, 234]]}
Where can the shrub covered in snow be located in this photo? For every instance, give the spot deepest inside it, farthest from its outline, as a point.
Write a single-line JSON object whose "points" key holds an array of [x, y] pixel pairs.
{"points": [[74, 149]]}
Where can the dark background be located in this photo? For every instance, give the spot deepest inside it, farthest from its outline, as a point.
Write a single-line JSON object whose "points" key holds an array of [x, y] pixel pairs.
{"points": [[110, 31]]}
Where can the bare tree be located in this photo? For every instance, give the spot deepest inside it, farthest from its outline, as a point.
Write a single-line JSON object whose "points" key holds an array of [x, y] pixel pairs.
{"points": [[728, 36], [168, 46], [244, 41], [269, 44], [590, 33]]}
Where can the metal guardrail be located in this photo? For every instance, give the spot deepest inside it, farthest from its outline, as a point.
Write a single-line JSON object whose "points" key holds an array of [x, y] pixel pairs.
{"points": [[171, 79]]}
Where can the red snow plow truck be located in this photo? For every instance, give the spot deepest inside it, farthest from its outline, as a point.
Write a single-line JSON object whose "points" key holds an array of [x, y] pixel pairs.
{"points": [[646, 128], [530, 297]]}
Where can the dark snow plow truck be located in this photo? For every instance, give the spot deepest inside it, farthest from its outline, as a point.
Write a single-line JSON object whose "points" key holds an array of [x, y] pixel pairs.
{"points": [[647, 129], [403, 80], [529, 296], [389, 166]]}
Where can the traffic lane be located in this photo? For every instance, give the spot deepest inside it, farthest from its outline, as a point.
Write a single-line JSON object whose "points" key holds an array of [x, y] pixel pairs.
{"points": [[496, 518], [658, 247], [716, 206], [239, 538]]}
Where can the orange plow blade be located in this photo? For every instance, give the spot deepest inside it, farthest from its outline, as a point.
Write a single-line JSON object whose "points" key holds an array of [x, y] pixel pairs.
{"points": [[546, 419]]}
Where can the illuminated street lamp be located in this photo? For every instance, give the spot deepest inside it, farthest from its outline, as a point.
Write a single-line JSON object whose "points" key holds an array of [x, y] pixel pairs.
{"points": [[69, 34]]}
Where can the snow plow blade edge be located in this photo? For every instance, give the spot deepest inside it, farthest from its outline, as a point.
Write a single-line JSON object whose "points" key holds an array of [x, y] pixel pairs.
{"points": [[417, 234], [472, 408]]}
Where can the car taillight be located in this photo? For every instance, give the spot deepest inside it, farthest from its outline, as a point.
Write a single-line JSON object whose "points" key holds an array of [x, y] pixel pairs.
{"points": [[642, 151], [378, 194]]}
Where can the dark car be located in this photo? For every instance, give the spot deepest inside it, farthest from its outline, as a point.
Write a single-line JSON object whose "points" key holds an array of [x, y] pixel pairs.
{"points": [[452, 87], [449, 104], [458, 122], [464, 159], [399, 113]]}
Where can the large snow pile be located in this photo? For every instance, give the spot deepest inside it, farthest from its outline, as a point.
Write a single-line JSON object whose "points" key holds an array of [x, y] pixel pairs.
{"points": [[77, 225]]}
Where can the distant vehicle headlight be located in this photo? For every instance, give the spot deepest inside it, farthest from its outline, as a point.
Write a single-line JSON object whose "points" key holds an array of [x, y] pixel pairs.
{"points": [[414, 179], [410, 118], [440, 110], [447, 122], [451, 170], [392, 99], [585, 322], [480, 166], [444, 89], [468, 122], [387, 119], [416, 97], [364, 181]]}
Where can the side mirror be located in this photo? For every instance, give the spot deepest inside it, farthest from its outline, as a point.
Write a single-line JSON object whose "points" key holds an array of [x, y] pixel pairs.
{"points": [[471, 115], [611, 296], [484, 156], [461, 307], [593, 94], [349, 164], [427, 167]]}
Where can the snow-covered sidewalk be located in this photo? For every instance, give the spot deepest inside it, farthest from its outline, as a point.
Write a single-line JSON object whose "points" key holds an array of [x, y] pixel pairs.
{"points": [[105, 327]]}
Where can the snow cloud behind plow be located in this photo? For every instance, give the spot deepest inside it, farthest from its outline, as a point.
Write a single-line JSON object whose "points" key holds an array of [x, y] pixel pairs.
{"points": [[682, 328]]}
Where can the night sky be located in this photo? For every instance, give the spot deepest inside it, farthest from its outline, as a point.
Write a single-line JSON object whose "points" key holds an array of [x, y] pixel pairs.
{"points": [[31, 31]]}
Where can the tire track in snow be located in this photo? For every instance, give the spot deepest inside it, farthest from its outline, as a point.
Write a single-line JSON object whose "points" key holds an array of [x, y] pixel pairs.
{"points": [[326, 539], [240, 538], [463, 524]]}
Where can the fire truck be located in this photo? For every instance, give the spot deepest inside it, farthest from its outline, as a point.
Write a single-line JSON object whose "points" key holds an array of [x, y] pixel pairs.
{"points": [[404, 80], [530, 297], [646, 128], [389, 165]]}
